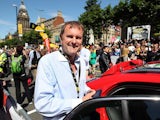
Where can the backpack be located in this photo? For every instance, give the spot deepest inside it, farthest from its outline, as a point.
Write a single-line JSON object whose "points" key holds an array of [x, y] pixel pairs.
{"points": [[16, 64]]}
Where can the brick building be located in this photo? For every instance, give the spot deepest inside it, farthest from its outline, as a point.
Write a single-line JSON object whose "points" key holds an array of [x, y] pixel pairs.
{"points": [[53, 25]]}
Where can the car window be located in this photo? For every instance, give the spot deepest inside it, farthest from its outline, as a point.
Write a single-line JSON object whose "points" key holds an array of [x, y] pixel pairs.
{"points": [[135, 89], [119, 108], [134, 110], [123, 109]]}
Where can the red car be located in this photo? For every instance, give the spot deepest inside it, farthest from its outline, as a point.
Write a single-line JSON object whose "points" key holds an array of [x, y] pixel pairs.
{"points": [[128, 91]]}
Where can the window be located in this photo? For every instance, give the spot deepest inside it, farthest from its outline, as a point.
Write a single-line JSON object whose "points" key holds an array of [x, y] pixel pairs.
{"points": [[118, 108]]}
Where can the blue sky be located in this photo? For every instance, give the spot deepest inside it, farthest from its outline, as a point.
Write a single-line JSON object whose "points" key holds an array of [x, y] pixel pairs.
{"points": [[71, 10]]}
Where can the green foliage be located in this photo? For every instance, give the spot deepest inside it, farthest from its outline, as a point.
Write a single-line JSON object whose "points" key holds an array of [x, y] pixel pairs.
{"points": [[92, 18], [32, 37], [138, 12], [12, 43], [48, 33], [127, 13]]}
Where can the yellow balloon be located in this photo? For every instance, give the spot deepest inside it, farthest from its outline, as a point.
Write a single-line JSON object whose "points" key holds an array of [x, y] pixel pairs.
{"points": [[39, 29], [42, 26], [53, 45], [43, 35]]}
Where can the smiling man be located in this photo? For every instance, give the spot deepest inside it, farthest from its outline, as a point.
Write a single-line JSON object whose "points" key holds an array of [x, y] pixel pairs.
{"points": [[61, 76]]}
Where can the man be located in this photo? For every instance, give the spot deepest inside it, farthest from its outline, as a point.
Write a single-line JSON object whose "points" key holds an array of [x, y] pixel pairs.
{"points": [[4, 64], [34, 56], [61, 76], [105, 59], [20, 76], [85, 53]]}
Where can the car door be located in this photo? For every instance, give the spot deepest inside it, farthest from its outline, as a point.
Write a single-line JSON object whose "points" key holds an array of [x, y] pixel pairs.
{"points": [[118, 108]]}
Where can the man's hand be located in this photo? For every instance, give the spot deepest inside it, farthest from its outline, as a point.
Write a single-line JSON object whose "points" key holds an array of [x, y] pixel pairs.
{"points": [[89, 95]]}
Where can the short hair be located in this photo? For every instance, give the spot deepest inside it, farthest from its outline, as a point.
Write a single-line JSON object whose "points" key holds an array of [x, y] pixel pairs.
{"points": [[72, 24], [104, 47], [19, 50]]}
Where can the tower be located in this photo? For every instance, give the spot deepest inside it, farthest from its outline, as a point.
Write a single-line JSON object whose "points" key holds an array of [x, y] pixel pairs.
{"points": [[23, 18]]}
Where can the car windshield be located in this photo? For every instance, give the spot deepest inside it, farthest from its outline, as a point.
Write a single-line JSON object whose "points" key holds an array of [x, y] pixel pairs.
{"points": [[157, 65], [146, 68]]}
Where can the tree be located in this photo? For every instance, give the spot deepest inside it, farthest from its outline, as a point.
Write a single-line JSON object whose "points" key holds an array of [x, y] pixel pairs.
{"points": [[11, 43], [92, 18], [138, 12], [33, 37]]}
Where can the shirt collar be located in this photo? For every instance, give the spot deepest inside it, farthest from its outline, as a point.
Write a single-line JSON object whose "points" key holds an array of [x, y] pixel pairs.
{"points": [[63, 59]]}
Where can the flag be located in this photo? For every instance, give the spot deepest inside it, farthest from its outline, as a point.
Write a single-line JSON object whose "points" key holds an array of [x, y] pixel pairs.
{"points": [[20, 31]]}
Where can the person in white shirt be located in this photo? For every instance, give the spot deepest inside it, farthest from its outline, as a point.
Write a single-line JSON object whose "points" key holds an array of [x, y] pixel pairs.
{"points": [[32, 66], [85, 53], [61, 78]]}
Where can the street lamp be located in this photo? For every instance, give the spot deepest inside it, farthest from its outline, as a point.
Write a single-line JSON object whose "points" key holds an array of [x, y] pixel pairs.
{"points": [[14, 5]]}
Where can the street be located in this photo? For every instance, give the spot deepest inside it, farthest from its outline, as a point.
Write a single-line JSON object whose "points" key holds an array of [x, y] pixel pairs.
{"points": [[30, 109]]}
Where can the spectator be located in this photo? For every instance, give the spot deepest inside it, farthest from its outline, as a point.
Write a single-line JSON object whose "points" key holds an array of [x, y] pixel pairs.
{"points": [[125, 52], [4, 64], [34, 56], [93, 59], [21, 78], [85, 53], [105, 59]]}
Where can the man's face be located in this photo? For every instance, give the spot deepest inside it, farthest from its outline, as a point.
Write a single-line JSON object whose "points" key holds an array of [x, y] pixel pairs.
{"points": [[106, 49], [72, 40]]}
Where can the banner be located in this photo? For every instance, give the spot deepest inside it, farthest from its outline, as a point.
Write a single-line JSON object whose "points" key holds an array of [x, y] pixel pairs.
{"points": [[47, 44], [20, 31], [139, 32]]}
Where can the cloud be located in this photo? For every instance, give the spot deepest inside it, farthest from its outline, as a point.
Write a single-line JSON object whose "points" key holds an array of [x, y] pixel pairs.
{"points": [[6, 27], [52, 14], [3, 22], [66, 17]]}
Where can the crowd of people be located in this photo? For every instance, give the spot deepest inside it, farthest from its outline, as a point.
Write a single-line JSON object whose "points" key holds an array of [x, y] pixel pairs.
{"points": [[56, 94], [19, 62], [106, 55]]}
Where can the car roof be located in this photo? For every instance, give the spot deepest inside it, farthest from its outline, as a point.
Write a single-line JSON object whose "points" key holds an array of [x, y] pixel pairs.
{"points": [[126, 72]]}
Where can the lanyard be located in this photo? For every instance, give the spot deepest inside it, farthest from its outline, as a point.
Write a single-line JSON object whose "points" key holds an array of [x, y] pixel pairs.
{"points": [[76, 82]]}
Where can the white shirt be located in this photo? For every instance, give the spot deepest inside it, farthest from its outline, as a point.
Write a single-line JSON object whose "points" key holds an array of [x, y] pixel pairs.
{"points": [[85, 53], [31, 56], [55, 91]]}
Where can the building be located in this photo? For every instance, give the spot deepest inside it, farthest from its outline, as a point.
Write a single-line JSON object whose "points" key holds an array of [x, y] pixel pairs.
{"points": [[53, 25], [23, 20], [111, 34]]}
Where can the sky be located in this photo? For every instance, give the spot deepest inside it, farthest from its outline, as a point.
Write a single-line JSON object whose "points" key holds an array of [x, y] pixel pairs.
{"points": [[71, 10]]}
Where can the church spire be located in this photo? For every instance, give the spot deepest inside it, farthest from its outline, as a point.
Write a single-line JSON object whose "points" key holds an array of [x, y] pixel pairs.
{"points": [[22, 2], [23, 17]]}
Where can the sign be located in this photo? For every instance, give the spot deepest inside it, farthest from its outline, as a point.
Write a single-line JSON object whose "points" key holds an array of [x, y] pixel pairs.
{"points": [[20, 32], [139, 32], [47, 44]]}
